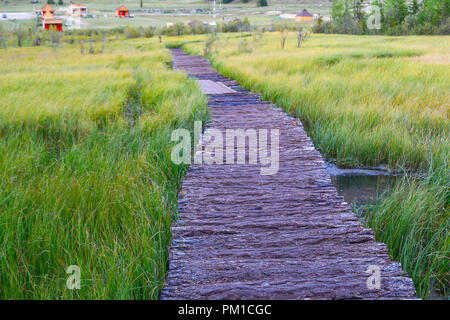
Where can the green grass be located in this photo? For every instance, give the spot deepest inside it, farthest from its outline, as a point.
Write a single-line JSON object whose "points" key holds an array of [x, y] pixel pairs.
{"points": [[85, 172], [413, 220], [367, 101]]}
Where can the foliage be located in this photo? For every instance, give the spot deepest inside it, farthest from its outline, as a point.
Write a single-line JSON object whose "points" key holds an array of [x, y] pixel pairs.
{"points": [[262, 3], [398, 17]]}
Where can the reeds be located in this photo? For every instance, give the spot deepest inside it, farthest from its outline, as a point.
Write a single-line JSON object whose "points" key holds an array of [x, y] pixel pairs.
{"points": [[79, 183]]}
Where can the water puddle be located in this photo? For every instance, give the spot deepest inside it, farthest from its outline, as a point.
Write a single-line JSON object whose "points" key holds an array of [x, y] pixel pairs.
{"points": [[361, 186]]}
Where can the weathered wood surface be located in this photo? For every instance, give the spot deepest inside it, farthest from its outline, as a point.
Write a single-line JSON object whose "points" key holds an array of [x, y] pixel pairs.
{"points": [[241, 235], [211, 87]]}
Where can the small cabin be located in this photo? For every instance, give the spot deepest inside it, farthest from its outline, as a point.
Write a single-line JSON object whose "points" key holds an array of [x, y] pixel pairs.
{"points": [[304, 16], [49, 21], [77, 10], [122, 12]]}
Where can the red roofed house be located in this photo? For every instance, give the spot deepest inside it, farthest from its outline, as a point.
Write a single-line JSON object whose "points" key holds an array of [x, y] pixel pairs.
{"points": [[122, 12], [47, 9], [304, 16], [48, 19], [77, 10]]}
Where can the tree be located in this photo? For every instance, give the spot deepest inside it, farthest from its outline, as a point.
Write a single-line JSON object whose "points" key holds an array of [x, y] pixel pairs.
{"points": [[358, 14], [302, 35], [261, 3], [402, 10], [142, 3], [347, 25], [20, 33], [435, 11], [395, 12], [245, 25], [415, 7], [284, 32], [3, 39], [337, 10], [394, 16]]}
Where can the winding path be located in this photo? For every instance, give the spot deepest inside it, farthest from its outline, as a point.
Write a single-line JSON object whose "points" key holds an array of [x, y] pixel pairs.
{"points": [[242, 235]]}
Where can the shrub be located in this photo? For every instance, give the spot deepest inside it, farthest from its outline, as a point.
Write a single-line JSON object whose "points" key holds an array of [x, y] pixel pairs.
{"points": [[261, 3]]}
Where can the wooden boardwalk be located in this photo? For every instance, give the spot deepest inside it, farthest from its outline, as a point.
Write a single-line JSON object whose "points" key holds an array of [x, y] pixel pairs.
{"points": [[212, 87], [242, 235]]}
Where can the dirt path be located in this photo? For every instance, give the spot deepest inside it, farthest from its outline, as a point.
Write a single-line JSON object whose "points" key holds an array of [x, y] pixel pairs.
{"points": [[17, 16], [242, 235]]}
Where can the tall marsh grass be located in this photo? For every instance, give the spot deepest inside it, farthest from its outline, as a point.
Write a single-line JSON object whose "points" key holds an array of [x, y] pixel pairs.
{"points": [[365, 101], [82, 185], [413, 220]]}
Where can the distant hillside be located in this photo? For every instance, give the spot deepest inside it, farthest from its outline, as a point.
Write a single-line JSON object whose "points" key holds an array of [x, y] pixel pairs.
{"points": [[14, 5], [159, 13]]}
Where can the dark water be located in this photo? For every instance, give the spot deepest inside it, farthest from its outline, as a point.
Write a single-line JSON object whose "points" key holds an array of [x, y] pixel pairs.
{"points": [[363, 189], [361, 186]]}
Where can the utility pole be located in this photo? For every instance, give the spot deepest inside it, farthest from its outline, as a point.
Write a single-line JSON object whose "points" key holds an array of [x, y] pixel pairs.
{"points": [[214, 10]]}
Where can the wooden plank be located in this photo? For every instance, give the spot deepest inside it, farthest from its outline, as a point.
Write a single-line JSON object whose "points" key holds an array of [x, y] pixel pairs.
{"points": [[211, 87]]}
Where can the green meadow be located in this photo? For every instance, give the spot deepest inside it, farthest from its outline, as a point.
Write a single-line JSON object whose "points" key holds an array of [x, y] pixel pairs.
{"points": [[85, 171], [368, 101]]}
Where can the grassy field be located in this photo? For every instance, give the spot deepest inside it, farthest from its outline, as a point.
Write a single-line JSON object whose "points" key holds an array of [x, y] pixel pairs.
{"points": [[85, 171], [179, 11], [367, 101]]}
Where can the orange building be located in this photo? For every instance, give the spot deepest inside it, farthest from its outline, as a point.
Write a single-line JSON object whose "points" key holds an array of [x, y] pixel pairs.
{"points": [[304, 16], [77, 10], [48, 19], [56, 24], [122, 12]]}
